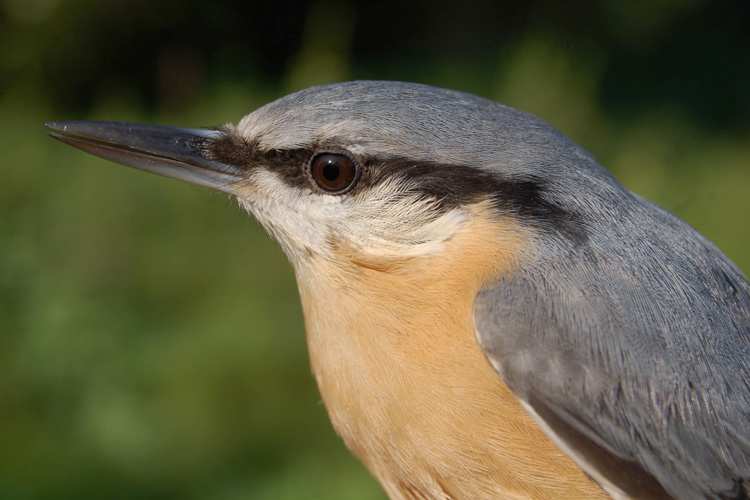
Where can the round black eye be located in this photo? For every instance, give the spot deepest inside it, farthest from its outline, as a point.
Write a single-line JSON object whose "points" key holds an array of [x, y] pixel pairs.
{"points": [[332, 172]]}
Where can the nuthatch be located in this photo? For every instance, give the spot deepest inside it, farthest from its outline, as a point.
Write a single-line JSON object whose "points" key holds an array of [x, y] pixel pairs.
{"points": [[489, 313]]}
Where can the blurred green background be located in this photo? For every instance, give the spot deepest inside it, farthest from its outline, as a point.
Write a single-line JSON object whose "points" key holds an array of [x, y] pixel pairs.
{"points": [[151, 341]]}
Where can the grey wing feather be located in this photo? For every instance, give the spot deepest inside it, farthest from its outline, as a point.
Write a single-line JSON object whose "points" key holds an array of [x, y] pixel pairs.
{"points": [[639, 340]]}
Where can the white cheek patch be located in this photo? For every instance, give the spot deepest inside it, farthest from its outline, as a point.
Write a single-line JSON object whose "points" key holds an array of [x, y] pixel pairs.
{"points": [[295, 218], [390, 220], [386, 221]]}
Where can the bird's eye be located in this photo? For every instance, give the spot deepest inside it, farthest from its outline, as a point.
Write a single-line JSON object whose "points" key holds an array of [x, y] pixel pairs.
{"points": [[335, 173]]}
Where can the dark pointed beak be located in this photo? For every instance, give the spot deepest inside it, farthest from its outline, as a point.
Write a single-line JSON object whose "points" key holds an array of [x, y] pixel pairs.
{"points": [[181, 153]]}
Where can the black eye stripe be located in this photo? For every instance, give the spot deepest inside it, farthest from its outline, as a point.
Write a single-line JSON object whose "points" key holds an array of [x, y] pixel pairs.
{"points": [[451, 185]]}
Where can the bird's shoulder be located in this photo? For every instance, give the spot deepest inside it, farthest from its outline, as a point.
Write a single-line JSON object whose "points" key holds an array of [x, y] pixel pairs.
{"points": [[634, 345]]}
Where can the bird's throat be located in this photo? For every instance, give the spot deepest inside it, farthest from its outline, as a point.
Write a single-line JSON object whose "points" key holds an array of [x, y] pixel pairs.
{"points": [[406, 385]]}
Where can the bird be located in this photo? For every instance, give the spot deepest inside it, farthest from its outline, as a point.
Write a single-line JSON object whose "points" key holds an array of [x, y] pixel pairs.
{"points": [[489, 313]]}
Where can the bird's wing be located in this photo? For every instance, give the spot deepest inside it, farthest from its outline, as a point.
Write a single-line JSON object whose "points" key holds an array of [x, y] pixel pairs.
{"points": [[633, 354]]}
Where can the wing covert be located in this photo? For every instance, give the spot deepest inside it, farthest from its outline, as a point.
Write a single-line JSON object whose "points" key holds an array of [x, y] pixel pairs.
{"points": [[637, 346]]}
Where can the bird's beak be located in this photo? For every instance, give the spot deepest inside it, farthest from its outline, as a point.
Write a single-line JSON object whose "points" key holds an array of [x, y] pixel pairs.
{"points": [[173, 152]]}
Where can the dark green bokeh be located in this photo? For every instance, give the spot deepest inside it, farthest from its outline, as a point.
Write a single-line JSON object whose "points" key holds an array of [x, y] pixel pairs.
{"points": [[151, 341]]}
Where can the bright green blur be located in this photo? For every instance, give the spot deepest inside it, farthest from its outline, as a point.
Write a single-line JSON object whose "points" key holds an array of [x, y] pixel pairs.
{"points": [[151, 340]]}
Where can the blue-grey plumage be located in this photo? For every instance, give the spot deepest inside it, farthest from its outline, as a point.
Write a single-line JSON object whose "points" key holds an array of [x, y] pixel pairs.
{"points": [[624, 333], [639, 338]]}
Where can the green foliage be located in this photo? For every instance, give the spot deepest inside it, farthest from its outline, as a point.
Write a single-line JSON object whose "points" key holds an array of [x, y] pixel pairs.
{"points": [[151, 341]]}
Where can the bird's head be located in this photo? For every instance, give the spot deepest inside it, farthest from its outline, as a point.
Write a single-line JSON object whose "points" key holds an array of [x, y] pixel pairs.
{"points": [[376, 172]]}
